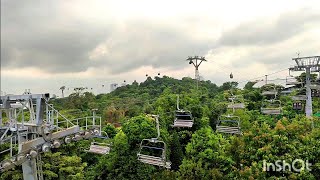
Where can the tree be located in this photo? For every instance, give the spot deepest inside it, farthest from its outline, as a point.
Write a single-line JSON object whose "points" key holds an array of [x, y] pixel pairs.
{"points": [[110, 130], [206, 157], [250, 84], [229, 85], [138, 128], [302, 77], [57, 166], [176, 155]]}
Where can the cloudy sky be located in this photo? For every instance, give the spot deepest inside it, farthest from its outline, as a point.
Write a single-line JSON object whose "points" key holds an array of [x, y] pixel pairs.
{"points": [[46, 44]]}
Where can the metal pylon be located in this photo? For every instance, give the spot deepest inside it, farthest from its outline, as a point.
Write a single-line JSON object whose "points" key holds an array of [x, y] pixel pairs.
{"points": [[308, 64], [196, 61]]}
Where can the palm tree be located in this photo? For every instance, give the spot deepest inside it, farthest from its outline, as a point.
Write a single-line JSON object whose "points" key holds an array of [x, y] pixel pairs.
{"points": [[62, 89]]}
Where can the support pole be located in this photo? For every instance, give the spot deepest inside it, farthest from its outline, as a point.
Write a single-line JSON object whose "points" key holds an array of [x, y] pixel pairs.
{"points": [[0, 118], [29, 169], [308, 94], [266, 79], [178, 101], [197, 77], [158, 126]]}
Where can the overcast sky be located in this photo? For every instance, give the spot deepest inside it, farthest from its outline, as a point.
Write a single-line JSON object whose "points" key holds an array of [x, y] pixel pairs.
{"points": [[46, 44]]}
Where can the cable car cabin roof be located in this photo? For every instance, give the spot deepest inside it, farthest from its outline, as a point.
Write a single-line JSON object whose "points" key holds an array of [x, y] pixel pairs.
{"points": [[153, 160]]}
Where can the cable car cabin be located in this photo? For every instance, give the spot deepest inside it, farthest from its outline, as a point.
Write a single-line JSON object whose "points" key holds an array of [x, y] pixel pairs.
{"points": [[183, 119], [229, 124], [271, 107], [99, 148], [153, 152], [231, 76], [297, 106]]}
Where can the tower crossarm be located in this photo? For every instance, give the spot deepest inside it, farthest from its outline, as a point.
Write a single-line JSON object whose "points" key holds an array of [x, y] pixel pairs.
{"points": [[307, 62]]}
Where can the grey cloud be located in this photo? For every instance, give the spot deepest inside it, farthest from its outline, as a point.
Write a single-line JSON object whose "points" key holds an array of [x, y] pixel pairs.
{"points": [[40, 36], [149, 44], [280, 57], [267, 31], [44, 36], [35, 35]]}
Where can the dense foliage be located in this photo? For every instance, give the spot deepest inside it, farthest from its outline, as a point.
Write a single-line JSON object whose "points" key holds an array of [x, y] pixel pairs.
{"points": [[195, 153]]}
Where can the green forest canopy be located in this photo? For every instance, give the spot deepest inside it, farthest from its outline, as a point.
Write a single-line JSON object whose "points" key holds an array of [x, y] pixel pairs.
{"points": [[195, 153]]}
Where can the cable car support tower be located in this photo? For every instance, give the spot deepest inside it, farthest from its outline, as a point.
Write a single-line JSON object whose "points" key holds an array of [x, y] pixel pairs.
{"points": [[196, 61], [308, 64], [45, 130]]}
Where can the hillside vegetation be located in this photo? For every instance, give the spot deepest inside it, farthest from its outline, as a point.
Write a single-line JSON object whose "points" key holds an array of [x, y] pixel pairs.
{"points": [[196, 153]]}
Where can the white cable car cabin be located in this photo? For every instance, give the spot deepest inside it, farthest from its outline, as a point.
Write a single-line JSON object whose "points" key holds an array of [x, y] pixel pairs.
{"points": [[271, 107], [229, 124], [153, 151], [182, 118]]}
